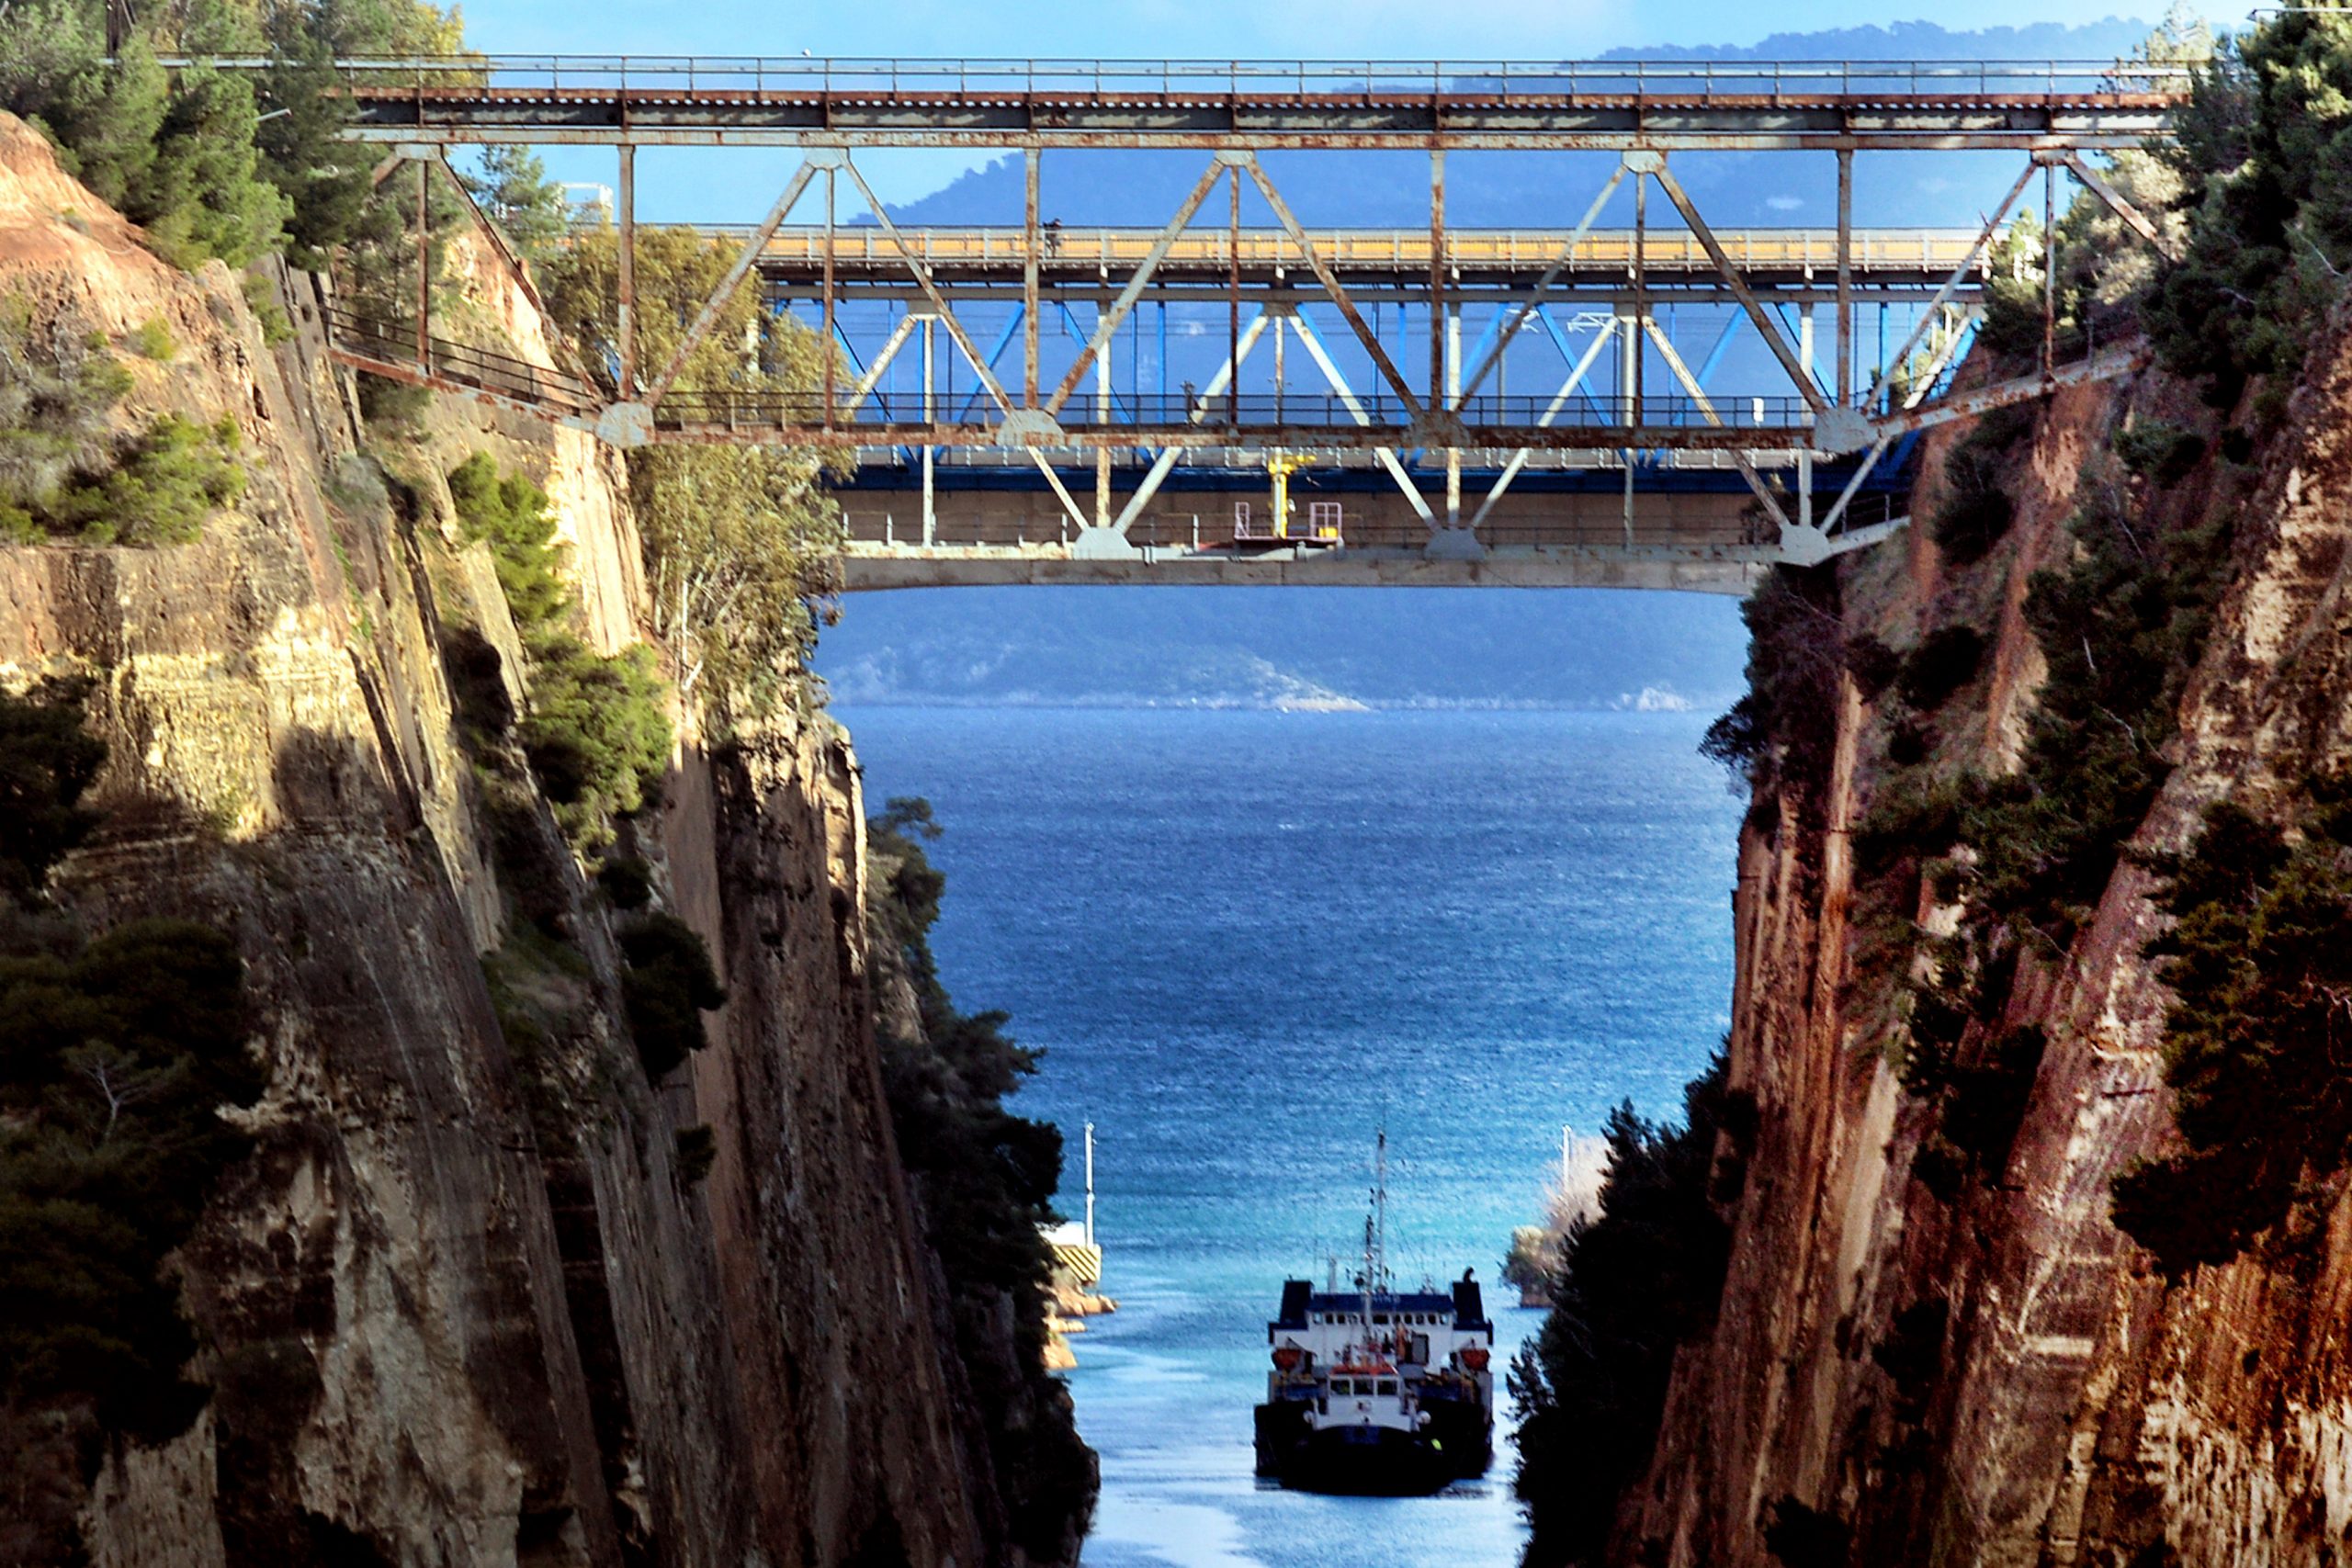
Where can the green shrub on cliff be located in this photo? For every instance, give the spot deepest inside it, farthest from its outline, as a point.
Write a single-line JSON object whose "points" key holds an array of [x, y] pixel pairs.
{"points": [[667, 984], [47, 759], [2259, 962], [1642, 1279], [1946, 659], [2261, 153], [1777, 737], [985, 1179], [63, 472], [116, 1058], [2119, 624], [595, 726], [160, 490]]}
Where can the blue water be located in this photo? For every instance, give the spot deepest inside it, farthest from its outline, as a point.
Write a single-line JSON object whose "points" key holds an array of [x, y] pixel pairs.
{"points": [[1245, 940]]}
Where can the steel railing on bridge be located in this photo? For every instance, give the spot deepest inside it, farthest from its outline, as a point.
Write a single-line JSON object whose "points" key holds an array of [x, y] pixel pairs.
{"points": [[1913, 252], [1496, 81], [632, 100], [395, 349], [1350, 417]]}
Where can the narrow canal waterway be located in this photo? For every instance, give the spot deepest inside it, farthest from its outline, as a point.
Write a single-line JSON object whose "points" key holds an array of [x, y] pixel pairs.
{"points": [[1245, 940]]}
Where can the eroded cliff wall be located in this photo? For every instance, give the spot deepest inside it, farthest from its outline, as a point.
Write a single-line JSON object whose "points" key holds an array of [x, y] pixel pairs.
{"points": [[1914, 1368], [461, 1305]]}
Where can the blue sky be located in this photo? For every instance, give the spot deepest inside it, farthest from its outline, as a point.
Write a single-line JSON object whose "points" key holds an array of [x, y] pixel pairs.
{"points": [[1158, 29], [736, 187]]}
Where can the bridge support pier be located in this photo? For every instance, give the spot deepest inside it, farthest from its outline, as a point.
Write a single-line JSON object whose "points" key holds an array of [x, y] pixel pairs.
{"points": [[1102, 543]]}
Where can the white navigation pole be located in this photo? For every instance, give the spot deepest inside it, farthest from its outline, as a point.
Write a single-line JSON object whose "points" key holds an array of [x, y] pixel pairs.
{"points": [[1089, 1184]]}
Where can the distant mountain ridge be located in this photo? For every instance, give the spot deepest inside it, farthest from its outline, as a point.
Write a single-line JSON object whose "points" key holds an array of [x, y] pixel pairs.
{"points": [[1508, 189], [1309, 648]]}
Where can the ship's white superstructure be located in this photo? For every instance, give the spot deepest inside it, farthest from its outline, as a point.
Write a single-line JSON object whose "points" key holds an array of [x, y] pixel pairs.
{"points": [[1375, 1389]]}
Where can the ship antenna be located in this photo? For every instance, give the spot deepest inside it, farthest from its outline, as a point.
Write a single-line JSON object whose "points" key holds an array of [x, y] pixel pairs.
{"points": [[1380, 1201]]}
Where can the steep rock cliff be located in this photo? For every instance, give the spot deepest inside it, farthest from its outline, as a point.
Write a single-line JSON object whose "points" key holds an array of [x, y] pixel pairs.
{"points": [[462, 1304], [1997, 1374]]}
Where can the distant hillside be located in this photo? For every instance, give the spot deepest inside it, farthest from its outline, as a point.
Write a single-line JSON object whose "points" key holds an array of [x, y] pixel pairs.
{"points": [[1504, 189], [1286, 647]]}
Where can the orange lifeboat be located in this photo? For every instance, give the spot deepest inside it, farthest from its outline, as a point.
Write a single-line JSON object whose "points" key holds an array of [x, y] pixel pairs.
{"points": [[1475, 1358], [1287, 1357]]}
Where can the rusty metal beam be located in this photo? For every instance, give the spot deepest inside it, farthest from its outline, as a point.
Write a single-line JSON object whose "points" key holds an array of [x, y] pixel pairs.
{"points": [[2133, 218], [423, 267], [1031, 242], [2049, 266], [2113, 363], [711, 430], [1943, 296], [2085, 139], [1339, 294], [745, 259], [930, 289], [1109, 321], [410, 374], [625, 275], [1437, 278], [1845, 383], [1757, 315], [1542, 285]]}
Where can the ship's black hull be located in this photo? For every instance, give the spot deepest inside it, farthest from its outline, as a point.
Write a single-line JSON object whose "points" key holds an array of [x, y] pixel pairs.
{"points": [[1365, 1461]]}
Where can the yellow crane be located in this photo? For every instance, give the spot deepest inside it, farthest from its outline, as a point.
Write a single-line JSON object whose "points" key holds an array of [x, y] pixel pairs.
{"points": [[1280, 466]]}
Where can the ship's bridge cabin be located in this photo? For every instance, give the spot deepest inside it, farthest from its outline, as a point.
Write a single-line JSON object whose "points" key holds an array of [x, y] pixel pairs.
{"points": [[1407, 1334]]}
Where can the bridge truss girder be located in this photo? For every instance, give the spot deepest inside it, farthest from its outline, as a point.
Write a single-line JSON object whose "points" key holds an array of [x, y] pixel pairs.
{"points": [[1442, 414]]}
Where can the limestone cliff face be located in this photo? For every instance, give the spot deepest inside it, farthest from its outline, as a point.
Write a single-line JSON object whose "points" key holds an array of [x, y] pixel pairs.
{"points": [[2085, 1411], [460, 1305]]}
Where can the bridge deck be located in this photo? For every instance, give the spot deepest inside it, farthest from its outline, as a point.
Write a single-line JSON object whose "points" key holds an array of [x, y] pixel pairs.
{"points": [[865, 569], [704, 102], [866, 260]]}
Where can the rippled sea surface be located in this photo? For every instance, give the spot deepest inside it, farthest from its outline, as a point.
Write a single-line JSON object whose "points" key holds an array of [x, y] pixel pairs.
{"points": [[1245, 942]]}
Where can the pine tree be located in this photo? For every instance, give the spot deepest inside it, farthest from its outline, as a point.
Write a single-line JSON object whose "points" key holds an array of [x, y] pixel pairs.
{"points": [[513, 191]]}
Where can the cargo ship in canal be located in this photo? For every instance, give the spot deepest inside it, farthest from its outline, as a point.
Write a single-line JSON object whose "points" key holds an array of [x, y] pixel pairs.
{"points": [[1377, 1391]]}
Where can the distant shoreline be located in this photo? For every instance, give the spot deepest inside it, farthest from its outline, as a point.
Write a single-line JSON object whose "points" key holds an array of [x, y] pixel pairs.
{"points": [[1352, 707]]}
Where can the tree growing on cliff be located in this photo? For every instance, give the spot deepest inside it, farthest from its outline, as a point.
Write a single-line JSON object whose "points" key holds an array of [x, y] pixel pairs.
{"points": [[174, 151], [2261, 155], [1638, 1280], [116, 1058], [2254, 1039], [595, 726], [46, 760], [985, 1179], [742, 544], [512, 189]]}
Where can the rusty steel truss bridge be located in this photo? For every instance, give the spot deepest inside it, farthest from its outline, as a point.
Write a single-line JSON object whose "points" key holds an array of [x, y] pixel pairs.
{"points": [[1016, 454]]}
